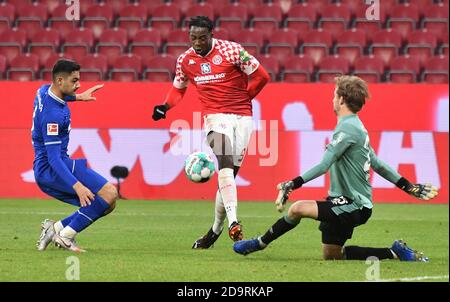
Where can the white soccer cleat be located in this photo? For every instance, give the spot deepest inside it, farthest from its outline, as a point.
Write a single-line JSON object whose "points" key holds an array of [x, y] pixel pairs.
{"points": [[47, 233], [285, 188], [67, 243]]}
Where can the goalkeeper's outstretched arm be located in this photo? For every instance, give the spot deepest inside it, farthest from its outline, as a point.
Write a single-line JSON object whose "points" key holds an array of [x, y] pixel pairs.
{"points": [[420, 191]]}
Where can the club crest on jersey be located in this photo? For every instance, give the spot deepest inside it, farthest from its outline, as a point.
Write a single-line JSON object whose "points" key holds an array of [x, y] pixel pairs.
{"points": [[52, 129], [244, 56], [217, 60], [206, 68]]}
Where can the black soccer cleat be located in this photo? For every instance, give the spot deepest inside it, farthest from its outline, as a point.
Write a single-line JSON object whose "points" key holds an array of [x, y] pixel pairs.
{"points": [[206, 241]]}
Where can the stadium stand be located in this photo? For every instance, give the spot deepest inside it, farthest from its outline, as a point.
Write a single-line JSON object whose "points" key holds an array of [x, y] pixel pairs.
{"points": [[286, 38]]}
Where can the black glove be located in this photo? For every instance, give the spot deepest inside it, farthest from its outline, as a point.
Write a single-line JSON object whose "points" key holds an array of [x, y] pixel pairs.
{"points": [[159, 112], [421, 191]]}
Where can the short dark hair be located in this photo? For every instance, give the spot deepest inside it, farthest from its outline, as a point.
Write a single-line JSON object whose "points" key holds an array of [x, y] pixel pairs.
{"points": [[201, 21], [64, 66], [353, 90]]}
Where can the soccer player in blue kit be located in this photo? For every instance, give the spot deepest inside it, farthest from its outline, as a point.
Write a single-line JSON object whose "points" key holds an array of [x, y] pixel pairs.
{"points": [[68, 180]]}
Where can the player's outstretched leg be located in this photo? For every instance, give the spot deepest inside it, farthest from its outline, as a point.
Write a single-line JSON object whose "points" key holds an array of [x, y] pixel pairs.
{"points": [[405, 253], [47, 233], [245, 247]]}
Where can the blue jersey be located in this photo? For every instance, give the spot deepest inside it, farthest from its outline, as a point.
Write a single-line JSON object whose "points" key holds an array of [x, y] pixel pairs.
{"points": [[50, 136]]}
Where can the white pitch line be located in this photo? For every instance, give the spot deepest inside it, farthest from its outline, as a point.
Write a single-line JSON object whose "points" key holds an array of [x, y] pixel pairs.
{"points": [[419, 278]]}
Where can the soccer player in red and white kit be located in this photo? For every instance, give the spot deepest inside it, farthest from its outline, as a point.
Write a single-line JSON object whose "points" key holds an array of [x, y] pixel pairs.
{"points": [[227, 78]]}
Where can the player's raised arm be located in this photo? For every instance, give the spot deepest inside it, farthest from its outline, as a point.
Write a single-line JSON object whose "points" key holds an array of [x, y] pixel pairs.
{"points": [[420, 191], [174, 96], [258, 79]]}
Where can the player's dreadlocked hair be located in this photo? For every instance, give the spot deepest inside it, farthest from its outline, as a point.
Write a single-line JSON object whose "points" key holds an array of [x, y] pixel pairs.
{"points": [[354, 91], [64, 67], [201, 21]]}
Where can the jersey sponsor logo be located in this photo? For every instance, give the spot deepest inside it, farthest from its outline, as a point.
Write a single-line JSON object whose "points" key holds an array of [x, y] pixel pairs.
{"points": [[206, 68], [244, 56], [209, 78], [339, 200], [217, 60], [191, 62], [338, 139], [52, 129]]}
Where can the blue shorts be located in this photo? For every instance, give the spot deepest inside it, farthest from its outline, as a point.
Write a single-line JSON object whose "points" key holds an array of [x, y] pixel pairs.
{"points": [[52, 184]]}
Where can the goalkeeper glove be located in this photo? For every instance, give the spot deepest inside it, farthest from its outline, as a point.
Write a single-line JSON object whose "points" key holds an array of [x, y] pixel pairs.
{"points": [[159, 112], [421, 191], [285, 188]]}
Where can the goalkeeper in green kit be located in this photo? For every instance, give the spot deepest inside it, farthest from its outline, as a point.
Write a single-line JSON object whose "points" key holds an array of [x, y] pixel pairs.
{"points": [[349, 158]]}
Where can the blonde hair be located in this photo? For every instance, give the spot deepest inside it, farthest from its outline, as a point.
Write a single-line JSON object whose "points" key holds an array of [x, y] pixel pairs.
{"points": [[353, 90]]}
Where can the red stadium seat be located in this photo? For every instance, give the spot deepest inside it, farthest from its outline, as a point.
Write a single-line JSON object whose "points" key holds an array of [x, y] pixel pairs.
{"points": [[127, 68], [31, 18], [98, 18], [330, 67], [318, 5], [160, 68], [334, 19], [424, 4], [355, 6], [218, 5], [11, 43], [370, 24], [271, 65], [421, 45], [2, 66], [403, 19], [165, 18], [350, 44], [116, 5], [46, 72], [283, 43], [436, 20], [78, 43], [43, 44], [19, 3], [93, 67], [177, 42], [369, 69], [132, 18], [300, 17], [221, 33], [266, 18], [50, 4], [386, 44], [436, 70], [184, 5], [443, 47], [146, 44], [233, 17], [404, 70], [59, 22], [7, 12], [150, 5], [316, 45], [252, 4], [298, 69], [23, 68], [250, 39], [112, 43], [200, 9]]}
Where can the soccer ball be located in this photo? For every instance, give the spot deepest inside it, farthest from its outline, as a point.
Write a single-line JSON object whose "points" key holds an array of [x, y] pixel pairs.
{"points": [[199, 167]]}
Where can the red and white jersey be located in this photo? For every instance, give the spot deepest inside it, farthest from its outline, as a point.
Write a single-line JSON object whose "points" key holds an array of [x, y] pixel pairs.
{"points": [[221, 77]]}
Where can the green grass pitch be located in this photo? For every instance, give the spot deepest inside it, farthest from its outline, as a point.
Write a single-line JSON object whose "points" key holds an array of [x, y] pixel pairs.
{"points": [[151, 241]]}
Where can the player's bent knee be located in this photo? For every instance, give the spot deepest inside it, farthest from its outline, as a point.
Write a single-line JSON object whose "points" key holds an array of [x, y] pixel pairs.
{"points": [[297, 210], [109, 193]]}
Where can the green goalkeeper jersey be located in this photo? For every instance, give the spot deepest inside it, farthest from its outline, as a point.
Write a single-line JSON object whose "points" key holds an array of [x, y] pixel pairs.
{"points": [[349, 157]]}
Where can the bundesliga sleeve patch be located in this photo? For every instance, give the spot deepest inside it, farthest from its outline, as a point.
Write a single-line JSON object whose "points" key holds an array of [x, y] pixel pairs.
{"points": [[52, 129]]}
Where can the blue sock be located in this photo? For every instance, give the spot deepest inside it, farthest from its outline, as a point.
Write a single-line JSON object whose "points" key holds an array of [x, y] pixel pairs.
{"points": [[68, 219], [87, 215]]}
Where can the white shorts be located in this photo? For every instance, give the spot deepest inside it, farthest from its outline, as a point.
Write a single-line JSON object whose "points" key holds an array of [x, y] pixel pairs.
{"points": [[238, 128]]}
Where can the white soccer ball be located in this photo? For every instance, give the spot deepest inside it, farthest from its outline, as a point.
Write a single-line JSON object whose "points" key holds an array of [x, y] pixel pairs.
{"points": [[199, 167]]}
